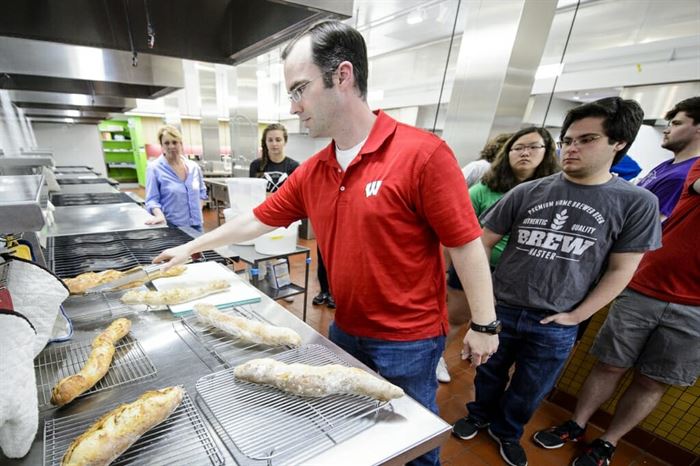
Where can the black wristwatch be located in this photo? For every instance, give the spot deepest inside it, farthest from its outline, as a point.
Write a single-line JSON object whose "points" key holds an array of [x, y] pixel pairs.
{"points": [[494, 328]]}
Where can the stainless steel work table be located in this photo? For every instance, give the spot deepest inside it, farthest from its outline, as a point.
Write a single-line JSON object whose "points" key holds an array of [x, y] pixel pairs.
{"points": [[400, 431], [75, 220]]}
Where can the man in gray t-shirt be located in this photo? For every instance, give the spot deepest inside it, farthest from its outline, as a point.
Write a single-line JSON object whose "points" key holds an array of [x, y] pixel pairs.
{"points": [[576, 239]]}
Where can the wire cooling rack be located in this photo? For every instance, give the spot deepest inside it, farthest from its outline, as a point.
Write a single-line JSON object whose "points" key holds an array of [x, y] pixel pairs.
{"points": [[129, 364], [267, 424], [227, 349], [182, 439]]}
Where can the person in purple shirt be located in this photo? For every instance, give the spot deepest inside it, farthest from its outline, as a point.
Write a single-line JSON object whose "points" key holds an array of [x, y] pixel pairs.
{"points": [[174, 185], [682, 137]]}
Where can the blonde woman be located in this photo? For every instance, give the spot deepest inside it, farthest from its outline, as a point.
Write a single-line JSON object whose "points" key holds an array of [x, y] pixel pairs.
{"points": [[174, 185]]}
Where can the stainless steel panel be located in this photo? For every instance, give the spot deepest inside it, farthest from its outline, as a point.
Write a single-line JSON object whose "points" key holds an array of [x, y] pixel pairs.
{"points": [[20, 209], [657, 100], [500, 51], [75, 220]]}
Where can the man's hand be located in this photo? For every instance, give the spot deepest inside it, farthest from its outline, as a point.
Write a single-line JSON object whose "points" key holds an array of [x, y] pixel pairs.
{"points": [[478, 347], [562, 318], [174, 256], [155, 220]]}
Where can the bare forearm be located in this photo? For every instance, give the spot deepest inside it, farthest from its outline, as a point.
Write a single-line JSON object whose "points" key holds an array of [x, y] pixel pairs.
{"points": [[242, 228], [472, 267]]}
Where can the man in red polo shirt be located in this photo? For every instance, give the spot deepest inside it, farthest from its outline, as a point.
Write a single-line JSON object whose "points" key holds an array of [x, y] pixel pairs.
{"points": [[382, 198]]}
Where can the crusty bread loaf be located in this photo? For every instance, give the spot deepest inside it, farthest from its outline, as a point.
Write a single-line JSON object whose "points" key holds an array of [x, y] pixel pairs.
{"points": [[97, 365], [246, 329], [112, 434], [175, 295], [305, 380], [85, 281]]}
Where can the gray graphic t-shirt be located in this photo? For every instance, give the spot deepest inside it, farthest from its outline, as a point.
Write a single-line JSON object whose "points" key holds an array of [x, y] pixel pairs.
{"points": [[561, 234]]}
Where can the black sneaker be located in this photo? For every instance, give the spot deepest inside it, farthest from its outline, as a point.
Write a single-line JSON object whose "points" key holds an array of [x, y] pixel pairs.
{"points": [[557, 436], [320, 298], [511, 452], [330, 302], [467, 427], [598, 453]]}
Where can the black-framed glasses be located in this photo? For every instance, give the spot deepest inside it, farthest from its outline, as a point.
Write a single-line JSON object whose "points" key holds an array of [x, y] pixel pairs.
{"points": [[529, 148], [578, 142]]}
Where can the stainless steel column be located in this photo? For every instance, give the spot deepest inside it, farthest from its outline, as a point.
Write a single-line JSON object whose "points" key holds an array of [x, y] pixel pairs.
{"points": [[243, 114], [210, 118], [501, 49]]}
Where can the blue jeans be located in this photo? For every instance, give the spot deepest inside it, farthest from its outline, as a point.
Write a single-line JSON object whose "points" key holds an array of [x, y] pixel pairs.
{"points": [[538, 352], [409, 364]]}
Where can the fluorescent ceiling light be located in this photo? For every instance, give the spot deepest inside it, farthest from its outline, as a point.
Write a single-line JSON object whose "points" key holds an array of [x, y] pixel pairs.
{"points": [[415, 17], [549, 71]]}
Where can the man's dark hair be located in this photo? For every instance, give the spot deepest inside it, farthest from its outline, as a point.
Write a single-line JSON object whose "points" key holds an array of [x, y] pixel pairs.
{"points": [[621, 120], [332, 43], [691, 107], [500, 177]]}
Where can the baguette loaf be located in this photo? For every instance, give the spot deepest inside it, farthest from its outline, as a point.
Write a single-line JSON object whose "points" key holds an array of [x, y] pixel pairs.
{"points": [[112, 434], [316, 381], [85, 281], [246, 329], [175, 295], [97, 365]]}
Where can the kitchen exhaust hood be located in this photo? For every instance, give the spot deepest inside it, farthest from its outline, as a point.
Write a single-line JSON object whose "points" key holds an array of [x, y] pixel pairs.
{"points": [[217, 31]]}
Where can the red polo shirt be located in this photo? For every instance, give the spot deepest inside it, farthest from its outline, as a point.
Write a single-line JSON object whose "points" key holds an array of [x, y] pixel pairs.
{"points": [[379, 226], [672, 273]]}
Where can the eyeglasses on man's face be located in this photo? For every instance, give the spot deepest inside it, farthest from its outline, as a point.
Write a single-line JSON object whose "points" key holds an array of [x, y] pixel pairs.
{"points": [[578, 142], [296, 94], [530, 148]]}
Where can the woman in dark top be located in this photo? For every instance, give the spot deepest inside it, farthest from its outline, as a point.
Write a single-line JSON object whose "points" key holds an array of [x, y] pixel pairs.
{"points": [[273, 166]]}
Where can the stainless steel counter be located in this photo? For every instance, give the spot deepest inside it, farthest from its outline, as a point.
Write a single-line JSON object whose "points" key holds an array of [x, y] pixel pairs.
{"points": [[399, 432], [74, 220], [88, 188]]}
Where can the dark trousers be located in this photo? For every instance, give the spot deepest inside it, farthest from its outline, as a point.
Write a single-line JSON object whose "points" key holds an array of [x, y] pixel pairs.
{"points": [[538, 352], [322, 275], [409, 364]]}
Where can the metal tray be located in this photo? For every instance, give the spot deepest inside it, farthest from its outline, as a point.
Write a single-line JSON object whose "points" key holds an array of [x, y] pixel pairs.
{"points": [[267, 424], [182, 439], [129, 364]]}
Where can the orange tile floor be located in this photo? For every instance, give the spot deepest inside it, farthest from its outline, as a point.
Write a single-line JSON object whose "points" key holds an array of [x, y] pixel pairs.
{"points": [[452, 397]]}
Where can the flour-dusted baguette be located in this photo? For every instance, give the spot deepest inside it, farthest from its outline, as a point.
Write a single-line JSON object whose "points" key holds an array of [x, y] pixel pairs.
{"points": [[85, 281], [97, 365], [305, 380], [175, 295], [246, 329], [112, 434]]}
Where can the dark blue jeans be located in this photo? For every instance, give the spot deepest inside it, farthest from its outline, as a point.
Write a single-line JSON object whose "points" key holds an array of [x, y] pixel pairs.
{"points": [[409, 364], [538, 352]]}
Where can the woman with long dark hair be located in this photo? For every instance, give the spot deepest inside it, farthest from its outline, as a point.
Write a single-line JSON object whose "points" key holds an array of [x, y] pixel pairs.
{"points": [[529, 154], [274, 165]]}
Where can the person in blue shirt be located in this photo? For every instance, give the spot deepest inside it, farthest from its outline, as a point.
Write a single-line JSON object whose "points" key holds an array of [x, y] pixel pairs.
{"points": [[174, 185], [626, 168]]}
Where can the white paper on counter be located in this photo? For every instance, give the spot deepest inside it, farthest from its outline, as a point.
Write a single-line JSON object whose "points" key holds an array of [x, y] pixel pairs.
{"points": [[202, 273]]}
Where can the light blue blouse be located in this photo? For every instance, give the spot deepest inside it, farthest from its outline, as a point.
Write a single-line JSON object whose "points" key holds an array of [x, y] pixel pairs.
{"points": [[179, 200]]}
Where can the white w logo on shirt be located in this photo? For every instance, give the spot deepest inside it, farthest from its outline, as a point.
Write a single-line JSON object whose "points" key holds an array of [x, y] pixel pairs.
{"points": [[372, 188]]}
